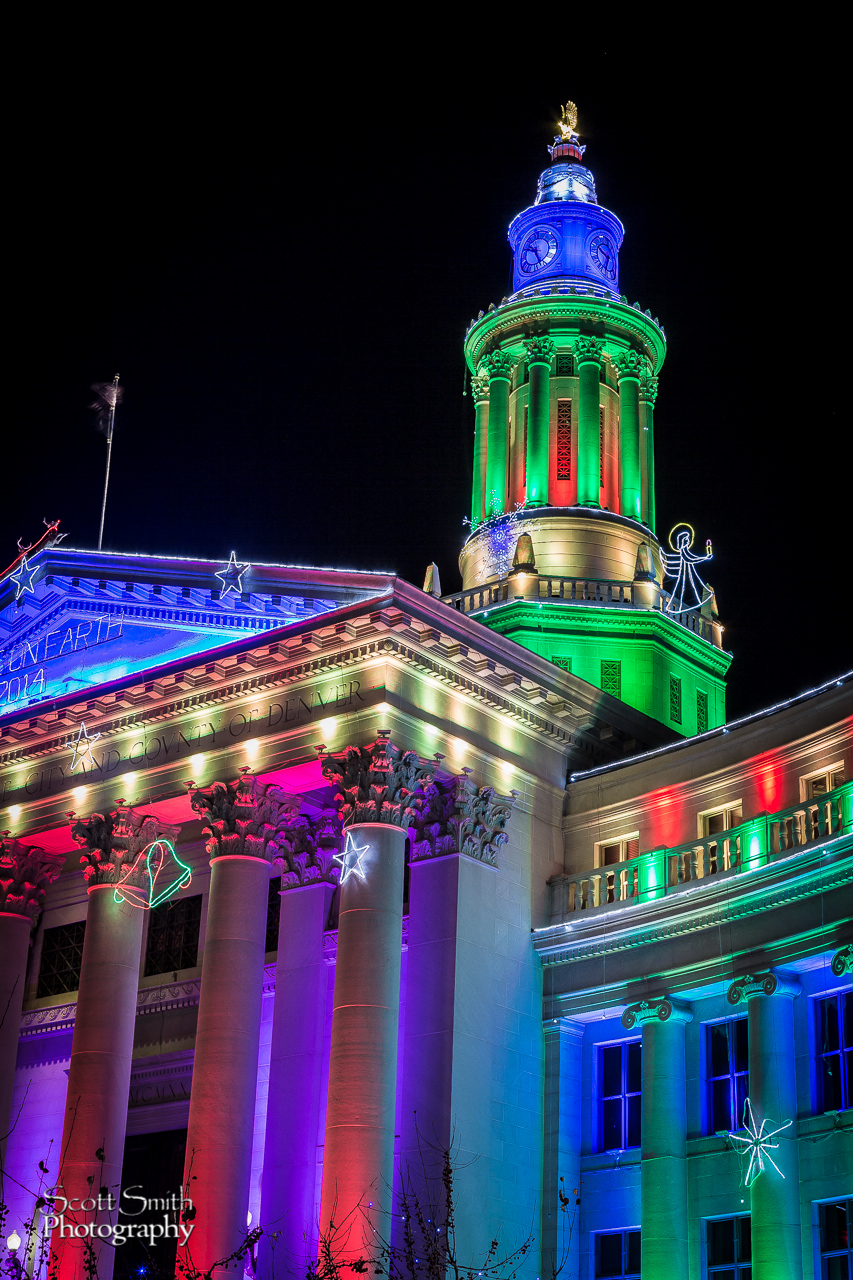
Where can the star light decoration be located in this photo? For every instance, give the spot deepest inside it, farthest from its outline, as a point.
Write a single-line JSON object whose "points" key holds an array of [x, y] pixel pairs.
{"points": [[350, 861], [758, 1144], [231, 576], [23, 579], [82, 747]]}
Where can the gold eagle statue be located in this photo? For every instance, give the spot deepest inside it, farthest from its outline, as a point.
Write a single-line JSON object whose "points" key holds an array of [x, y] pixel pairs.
{"points": [[568, 121]]}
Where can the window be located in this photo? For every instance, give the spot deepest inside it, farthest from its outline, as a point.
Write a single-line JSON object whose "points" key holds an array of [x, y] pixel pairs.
{"points": [[621, 850], [173, 930], [601, 447], [834, 1051], [524, 436], [836, 1239], [564, 366], [729, 1249], [716, 820], [273, 914], [611, 678], [558, 661], [675, 699], [564, 438], [61, 957], [619, 1085], [726, 1073], [701, 711], [617, 1253], [819, 783]]}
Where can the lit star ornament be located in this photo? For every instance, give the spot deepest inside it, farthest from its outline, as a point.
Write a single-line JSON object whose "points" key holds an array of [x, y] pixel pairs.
{"points": [[758, 1143], [23, 579], [351, 860], [231, 576], [82, 748]]}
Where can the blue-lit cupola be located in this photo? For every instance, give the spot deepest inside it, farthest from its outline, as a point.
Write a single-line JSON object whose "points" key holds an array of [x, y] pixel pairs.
{"points": [[566, 235]]}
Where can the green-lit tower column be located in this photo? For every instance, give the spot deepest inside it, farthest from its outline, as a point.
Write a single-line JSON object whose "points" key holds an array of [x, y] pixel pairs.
{"points": [[480, 393], [588, 357], [777, 1251], [499, 365], [629, 365], [648, 395], [540, 352]]}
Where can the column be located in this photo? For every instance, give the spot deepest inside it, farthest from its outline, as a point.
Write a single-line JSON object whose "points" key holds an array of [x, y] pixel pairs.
{"points": [[561, 1234], [25, 873], [242, 824], [102, 1047], [375, 784], [588, 358], [648, 395], [500, 365], [288, 1193], [774, 1199], [629, 365], [663, 1168], [540, 352], [480, 393]]}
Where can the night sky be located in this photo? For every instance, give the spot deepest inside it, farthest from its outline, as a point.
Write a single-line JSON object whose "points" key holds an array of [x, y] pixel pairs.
{"points": [[281, 264]]}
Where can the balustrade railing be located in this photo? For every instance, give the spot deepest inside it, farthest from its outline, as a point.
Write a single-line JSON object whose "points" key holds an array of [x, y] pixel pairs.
{"points": [[743, 848]]}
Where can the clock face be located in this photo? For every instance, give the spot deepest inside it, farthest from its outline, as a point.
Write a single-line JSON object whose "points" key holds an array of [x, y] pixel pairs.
{"points": [[602, 252], [538, 250]]}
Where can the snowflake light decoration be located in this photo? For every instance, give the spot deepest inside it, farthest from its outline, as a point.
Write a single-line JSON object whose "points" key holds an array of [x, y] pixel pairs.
{"points": [[501, 533], [758, 1143]]}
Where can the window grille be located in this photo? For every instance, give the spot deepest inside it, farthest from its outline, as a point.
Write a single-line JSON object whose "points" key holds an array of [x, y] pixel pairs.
{"points": [[558, 661], [617, 1253], [675, 699], [601, 447], [834, 1051], [564, 366], [619, 1095], [726, 1073], [729, 1249], [61, 957], [611, 677], [173, 930], [701, 711], [836, 1240], [273, 914], [564, 439]]}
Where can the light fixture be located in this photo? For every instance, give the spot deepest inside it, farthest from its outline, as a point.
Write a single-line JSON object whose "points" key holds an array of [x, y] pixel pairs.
{"points": [[13, 1242]]}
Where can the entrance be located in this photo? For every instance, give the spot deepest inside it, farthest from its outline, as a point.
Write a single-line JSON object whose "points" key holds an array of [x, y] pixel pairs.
{"points": [[153, 1167]]}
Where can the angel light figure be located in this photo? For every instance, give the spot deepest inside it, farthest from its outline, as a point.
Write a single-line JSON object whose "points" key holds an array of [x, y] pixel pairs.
{"points": [[681, 567]]}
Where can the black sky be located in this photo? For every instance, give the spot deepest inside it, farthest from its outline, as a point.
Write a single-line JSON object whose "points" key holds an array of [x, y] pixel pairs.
{"points": [[280, 252]]}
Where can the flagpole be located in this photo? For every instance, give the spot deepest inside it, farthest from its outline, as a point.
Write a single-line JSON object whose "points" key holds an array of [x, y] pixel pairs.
{"points": [[110, 425]]}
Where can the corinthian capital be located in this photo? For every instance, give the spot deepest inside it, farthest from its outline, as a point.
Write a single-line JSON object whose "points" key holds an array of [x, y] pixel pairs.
{"points": [[455, 816], [648, 387], [244, 817], [629, 364], [588, 349], [376, 783], [500, 364], [111, 844], [762, 984], [305, 847], [539, 350], [663, 1010], [480, 385], [25, 873]]}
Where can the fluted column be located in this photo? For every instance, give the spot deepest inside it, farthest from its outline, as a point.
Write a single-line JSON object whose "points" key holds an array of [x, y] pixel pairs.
{"points": [[648, 395], [102, 1047], [630, 365], [588, 358], [307, 848], [774, 1199], [499, 365], [480, 394], [242, 822], [540, 352], [663, 1167], [25, 873], [375, 787]]}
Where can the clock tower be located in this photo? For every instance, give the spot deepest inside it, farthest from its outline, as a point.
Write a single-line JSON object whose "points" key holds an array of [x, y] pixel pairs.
{"points": [[564, 554]]}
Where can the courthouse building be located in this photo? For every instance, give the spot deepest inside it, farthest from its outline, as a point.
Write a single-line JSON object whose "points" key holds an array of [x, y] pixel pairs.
{"points": [[293, 854]]}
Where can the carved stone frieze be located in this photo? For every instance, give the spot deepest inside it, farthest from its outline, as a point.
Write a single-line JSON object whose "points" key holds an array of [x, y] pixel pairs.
{"points": [[245, 817], [540, 350], [588, 349], [111, 843], [629, 364], [25, 873], [648, 388], [500, 364], [662, 1010], [842, 961], [305, 847], [762, 984], [376, 783], [480, 384], [455, 816]]}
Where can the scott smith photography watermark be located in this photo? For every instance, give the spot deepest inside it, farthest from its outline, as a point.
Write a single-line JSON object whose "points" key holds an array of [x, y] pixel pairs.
{"points": [[170, 1222]]}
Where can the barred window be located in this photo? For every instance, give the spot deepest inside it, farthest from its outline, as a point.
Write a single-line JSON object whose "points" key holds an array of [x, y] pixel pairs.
{"points": [[619, 1095], [273, 914], [611, 677], [564, 366], [675, 699], [729, 1249], [601, 447], [726, 1073], [836, 1240], [559, 661], [701, 711], [564, 439], [834, 1046], [173, 930], [61, 957]]}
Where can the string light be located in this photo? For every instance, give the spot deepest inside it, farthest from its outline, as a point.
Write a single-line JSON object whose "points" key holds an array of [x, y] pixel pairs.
{"points": [[758, 1144], [351, 860], [160, 858], [231, 576], [680, 566], [82, 748]]}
